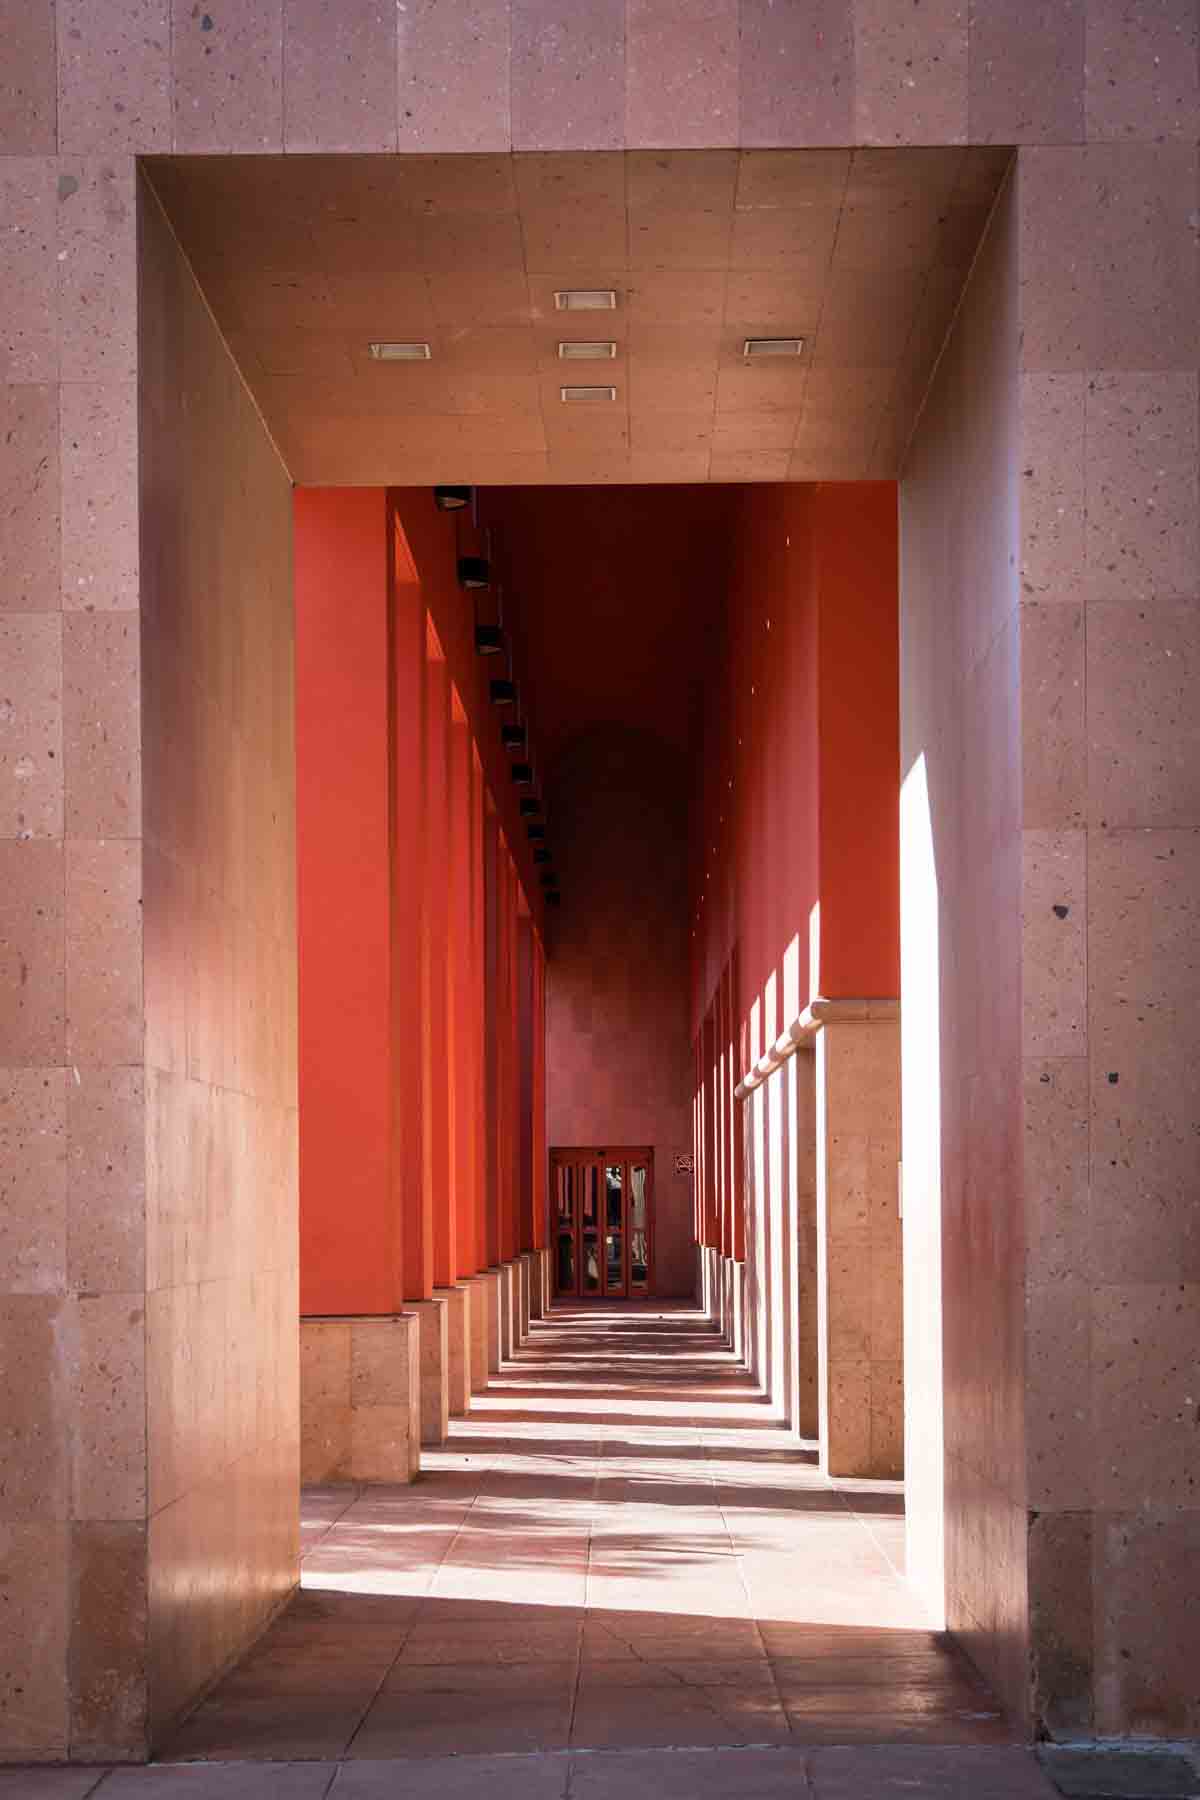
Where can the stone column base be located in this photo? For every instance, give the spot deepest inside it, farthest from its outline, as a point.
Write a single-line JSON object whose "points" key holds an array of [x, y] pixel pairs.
{"points": [[477, 1344], [360, 1398], [506, 1311], [537, 1284], [529, 1274], [458, 1301], [859, 1354], [494, 1311], [435, 1357]]}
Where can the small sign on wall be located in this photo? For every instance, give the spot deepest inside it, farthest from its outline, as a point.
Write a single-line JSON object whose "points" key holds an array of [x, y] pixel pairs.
{"points": [[685, 1165]]}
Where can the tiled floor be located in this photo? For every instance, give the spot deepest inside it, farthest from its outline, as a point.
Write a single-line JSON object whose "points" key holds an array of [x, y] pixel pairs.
{"points": [[619, 1577], [617, 1549]]}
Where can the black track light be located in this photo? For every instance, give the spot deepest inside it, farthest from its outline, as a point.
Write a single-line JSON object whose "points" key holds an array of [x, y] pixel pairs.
{"points": [[541, 854], [452, 499], [489, 640], [552, 897], [522, 774], [512, 737], [535, 832], [547, 877], [474, 571], [530, 808], [503, 693]]}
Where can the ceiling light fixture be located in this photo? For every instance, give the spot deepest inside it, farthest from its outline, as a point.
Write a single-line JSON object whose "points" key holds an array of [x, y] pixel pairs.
{"points": [[588, 350], [452, 499], [586, 395], [586, 299], [512, 737], [773, 347], [489, 640], [502, 693], [541, 854], [530, 808], [547, 878], [522, 773], [535, 833], [552, 897], [413, 352]]}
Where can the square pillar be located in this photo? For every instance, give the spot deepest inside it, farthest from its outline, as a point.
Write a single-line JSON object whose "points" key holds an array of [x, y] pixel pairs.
{"points": [[495, 1309], [859, 1298], [434, 1368], [477, 1343], [360, 1398], [537, 1284], [525, 1264], [506, 1311], [457, 1302]]}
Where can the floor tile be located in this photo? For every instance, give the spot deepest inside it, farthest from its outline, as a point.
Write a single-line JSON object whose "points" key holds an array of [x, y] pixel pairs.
{"points": [[440, 1724], [541, 1777], [47, 1784], [619, 1548], [747, 1774], [221, 1781], [901, 1772]]}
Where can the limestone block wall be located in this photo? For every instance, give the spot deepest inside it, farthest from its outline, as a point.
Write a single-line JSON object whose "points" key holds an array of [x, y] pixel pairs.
{"points": [[1106, 100], [1051, 528], [960, 979], [219, 954]]}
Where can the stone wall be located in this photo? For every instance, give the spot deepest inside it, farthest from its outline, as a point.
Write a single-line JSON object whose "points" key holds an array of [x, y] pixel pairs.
{"points": [[219, 953], [1107, 99]]}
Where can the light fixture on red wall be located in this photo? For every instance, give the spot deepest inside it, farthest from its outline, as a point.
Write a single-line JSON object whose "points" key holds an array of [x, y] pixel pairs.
{"points": [[530, 808], [474, 571], [541, 854], [452, 499], [512, 737], [522, 773]]}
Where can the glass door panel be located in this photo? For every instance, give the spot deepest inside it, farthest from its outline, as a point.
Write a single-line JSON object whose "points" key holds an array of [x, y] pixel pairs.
{"points": [[591, 1229], [614, 1228], [566, 1272], [639, 1229]]}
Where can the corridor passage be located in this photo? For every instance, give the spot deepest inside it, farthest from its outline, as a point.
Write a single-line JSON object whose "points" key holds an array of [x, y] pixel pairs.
{"points": [[617, 1549]]}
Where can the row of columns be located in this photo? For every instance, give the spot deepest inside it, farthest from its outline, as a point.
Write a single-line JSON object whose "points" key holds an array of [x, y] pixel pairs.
{"points": [[813, 1301], [421, 1003]]}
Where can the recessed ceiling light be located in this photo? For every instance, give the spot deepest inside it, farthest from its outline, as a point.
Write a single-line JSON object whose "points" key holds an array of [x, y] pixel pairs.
{"points": [[400, 352], [598, 350], [585, 394], [585, 299], [773, 347]]}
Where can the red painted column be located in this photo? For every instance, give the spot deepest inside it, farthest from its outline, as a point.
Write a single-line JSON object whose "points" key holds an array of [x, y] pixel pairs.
{"points": [[479, 1006], [492, 1087], [739, 1142], [350, 1228], [525, 1013], [436, 1266], [460, 974], [541, 1224]]}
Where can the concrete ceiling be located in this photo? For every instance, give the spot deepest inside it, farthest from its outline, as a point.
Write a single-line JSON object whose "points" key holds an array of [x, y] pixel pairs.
{"points": [[307, 259]]}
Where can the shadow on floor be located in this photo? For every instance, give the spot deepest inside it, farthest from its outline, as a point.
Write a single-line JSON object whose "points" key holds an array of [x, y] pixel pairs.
{"points": [[630, 1576]]}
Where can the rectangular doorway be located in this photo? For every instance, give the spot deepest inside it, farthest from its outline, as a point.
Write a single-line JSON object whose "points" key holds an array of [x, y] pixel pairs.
{"points": [[603, 1223]]}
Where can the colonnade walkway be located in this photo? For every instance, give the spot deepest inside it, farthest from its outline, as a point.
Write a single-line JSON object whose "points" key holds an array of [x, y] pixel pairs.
{"points": [[618, 1576]]}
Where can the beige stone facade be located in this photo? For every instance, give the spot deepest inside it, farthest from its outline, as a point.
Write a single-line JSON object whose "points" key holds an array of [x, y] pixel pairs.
{"points": [[148, 1375]]}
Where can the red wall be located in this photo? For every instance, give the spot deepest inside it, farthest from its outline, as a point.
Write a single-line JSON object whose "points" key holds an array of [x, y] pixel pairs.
{"points": [[795, 850], [413, 1065], [619, 1063], [344, 902]]}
